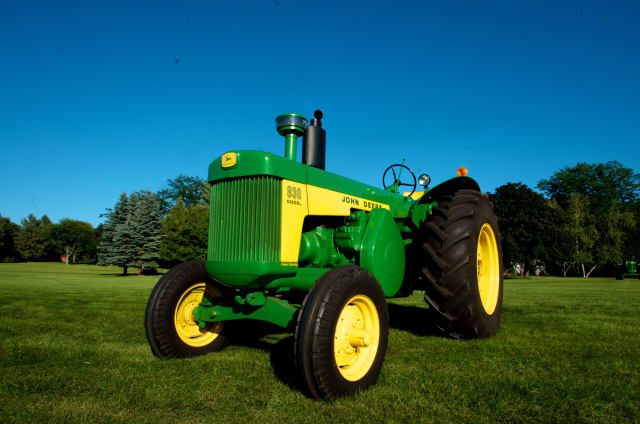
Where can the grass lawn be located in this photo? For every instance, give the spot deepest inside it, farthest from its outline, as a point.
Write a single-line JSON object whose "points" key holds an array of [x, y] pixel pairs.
{"points": [[73, 349]]}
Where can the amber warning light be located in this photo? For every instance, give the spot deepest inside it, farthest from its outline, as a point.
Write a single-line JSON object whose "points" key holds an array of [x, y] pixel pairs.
{"points": [[462, 171]]}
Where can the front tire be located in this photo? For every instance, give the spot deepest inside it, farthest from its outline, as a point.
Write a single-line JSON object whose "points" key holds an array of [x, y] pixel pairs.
{"points": [[341, 334], [462, 266], [171, 328]]}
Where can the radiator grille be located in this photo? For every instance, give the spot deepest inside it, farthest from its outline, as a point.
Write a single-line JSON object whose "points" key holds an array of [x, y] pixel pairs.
{"points": [[244, 220]]}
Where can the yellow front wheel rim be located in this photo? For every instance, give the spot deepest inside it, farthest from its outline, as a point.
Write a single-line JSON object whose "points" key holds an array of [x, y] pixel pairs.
{"points": [[186, 325], [488, 265], [356, 338]]}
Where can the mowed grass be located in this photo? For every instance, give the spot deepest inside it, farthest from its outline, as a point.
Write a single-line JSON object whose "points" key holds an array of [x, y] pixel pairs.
{"points": [[73, 349]]}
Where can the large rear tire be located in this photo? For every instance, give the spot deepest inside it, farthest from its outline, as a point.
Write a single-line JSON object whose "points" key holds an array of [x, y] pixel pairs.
{"points": [[463, 269], [171, 328], [341, 334]]}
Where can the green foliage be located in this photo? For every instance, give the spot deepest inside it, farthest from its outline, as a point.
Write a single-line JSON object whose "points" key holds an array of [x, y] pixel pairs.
{"points": [[147, 226], [111, 251], [602, 183], [74, 239], [186, 202], [598, 200], [33, 242], [631, 238], [580, 224], [616, 222], [132, 233], [529, 224], [73, 349], [192, 190], [580, 228], [8, 233], [186, 234]]}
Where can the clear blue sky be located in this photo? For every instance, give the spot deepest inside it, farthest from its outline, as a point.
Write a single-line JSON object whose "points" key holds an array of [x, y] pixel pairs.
{"points": [[100, 98]]}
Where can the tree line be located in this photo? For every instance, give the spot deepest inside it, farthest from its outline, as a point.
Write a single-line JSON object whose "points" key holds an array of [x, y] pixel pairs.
{"points": [[144, 230], [587, 220], [42, 240], [582, 220]]}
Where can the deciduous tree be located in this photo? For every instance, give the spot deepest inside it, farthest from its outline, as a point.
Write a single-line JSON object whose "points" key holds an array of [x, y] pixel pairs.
{"points": [[192, 191], [599, 200], [32, 241], [580, 226], [8, 233], [602, 183], [529, 225], [186, 234], [631, 237], [74, 239], [616, 223]]}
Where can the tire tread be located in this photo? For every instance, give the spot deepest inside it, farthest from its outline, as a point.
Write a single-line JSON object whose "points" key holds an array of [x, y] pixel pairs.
{"points": [[448, 270]]}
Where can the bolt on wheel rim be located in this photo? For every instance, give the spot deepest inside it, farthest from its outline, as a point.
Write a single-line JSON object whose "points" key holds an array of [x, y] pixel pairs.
{"points": [[185, 323], [356, 338], [488, 266]]}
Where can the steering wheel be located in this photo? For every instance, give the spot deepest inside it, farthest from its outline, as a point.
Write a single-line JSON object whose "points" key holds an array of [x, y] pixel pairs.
{"points": [[400, 167]]}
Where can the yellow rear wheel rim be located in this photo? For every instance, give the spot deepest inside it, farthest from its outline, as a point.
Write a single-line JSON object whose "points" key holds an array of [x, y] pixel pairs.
{"points": [[488, 269], [356, 338], [186, 325]]}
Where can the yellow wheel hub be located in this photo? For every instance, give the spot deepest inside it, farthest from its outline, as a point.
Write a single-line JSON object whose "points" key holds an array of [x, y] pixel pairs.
{"points": [[186, 325], [488, 269], [356, 338]]}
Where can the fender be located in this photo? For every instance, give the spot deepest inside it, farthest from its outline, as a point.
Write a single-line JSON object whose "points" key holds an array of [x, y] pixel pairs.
{"points": [[449, 187], [382, 251]]}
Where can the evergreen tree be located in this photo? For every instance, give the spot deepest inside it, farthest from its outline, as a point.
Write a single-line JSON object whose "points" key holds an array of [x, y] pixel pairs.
{"points": [[146, 226], [114, 247], [132, 233], [125, 239]]}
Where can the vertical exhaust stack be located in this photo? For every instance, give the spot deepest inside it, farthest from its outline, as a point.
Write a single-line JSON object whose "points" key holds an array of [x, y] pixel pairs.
{"points": [[314, 143]]}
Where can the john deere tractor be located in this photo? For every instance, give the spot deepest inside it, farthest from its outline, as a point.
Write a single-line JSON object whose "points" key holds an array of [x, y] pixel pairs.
{"points": [[627, 270], [317, 253]]}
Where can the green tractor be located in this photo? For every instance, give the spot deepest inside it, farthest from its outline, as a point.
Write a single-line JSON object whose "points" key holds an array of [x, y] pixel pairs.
{"points": [[631, 270], [318, 254]]}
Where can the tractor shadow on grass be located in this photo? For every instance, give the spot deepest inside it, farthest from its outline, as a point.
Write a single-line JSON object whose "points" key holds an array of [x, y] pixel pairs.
{"points": [[282, 360], [412, 319], [281, 355], [255, 334]]}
